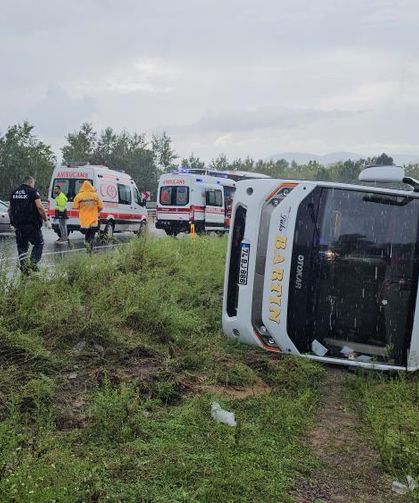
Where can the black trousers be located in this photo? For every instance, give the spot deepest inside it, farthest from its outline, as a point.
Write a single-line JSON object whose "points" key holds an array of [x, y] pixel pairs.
{"points": [[89, 234], [26, 234]]}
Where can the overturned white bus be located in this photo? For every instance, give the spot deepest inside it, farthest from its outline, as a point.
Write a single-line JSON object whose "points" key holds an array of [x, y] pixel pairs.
{"points": [[328, 271]]}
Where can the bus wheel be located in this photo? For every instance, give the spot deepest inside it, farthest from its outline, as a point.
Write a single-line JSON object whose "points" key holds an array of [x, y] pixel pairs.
{"points": [[170, 232]]}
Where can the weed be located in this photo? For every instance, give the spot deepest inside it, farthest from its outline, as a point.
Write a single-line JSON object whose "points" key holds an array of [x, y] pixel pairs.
{"points": [[116, 414]]}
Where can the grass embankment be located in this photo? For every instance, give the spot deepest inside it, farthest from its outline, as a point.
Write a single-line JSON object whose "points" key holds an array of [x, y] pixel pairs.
{"points": [[108, 369]]}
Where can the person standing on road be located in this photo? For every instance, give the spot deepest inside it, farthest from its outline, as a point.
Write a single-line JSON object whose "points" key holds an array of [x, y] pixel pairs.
{"points": [[61, 213], [26, 216], [89, 204]]}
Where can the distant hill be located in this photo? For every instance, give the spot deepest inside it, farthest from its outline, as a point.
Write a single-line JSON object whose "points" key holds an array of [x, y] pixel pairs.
{"points": [[304, 158]]}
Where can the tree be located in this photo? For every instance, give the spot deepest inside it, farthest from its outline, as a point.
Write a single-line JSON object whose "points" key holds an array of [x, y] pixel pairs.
{"points": [[220, 163], [123, 151], [81, 144], [383, 160], [164, 155], [21, 154], [193, 162]]}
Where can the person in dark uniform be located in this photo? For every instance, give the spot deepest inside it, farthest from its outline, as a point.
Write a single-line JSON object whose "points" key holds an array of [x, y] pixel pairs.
{"points": [[26, 216]]}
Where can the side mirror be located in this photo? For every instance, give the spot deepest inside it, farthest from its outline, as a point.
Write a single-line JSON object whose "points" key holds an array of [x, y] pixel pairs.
{"points": [[383, 174]]}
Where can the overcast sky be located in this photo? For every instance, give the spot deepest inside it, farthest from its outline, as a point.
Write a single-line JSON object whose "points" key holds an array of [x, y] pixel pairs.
{"points": [[236, 76]]}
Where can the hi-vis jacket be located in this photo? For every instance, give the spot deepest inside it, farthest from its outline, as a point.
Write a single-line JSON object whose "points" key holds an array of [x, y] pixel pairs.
{"points": [[61, 202], [89, 205]]}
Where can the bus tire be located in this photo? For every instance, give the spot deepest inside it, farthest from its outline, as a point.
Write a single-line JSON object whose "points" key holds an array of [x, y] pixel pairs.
{"points": [[171, 232]]}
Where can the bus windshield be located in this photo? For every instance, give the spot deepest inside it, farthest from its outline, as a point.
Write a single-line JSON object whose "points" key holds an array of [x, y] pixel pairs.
{"points": [[354, 274]]}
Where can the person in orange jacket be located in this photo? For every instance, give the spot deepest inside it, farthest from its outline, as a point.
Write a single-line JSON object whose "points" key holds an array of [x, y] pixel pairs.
{"points": [[89, 204]]}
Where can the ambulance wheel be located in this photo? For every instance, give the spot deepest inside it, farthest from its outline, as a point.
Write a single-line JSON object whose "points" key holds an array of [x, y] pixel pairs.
{"points": [[107, 233], [143, 227]]}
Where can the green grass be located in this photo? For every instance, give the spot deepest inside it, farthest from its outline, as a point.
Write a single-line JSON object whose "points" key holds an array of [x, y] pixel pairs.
{"points": [[125, 416], [390, 407]]}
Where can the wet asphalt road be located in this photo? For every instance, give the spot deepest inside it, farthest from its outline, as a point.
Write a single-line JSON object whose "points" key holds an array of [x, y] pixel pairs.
{"points": [[53, 251]]}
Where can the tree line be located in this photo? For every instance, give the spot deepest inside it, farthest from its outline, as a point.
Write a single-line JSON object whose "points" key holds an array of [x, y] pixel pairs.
{"points": [[22, 153]]}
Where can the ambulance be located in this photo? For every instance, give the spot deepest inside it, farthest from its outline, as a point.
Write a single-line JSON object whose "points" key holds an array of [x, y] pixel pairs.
{"points": [[124, 209], [328, 271], [200, 197], [186, 198]]}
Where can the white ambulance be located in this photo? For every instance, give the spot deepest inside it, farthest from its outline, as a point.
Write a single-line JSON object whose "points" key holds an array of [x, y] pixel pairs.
{"points": [[124, 209], [328, 271], [186, 198]]}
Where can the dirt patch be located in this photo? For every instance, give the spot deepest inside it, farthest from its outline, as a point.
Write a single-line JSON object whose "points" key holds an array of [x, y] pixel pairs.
{"points": [[350, 469], [91, 368], [259, 388]]}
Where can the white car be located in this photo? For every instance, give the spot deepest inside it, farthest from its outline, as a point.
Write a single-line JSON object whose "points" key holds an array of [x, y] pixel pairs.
{"points": [[4, 218]]}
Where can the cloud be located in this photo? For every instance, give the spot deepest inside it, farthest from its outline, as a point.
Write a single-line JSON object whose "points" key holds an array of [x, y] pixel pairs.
{"points": [[264, 118], [149, 76], [244, 77], [58, 113]]}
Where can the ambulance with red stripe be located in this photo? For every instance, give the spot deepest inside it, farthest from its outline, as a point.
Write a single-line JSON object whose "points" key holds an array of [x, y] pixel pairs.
{"points": [[124, 209], [186, 198]]}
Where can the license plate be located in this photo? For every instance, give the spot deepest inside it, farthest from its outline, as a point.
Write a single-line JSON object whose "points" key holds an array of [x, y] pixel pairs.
{"points": [[244, 263]]}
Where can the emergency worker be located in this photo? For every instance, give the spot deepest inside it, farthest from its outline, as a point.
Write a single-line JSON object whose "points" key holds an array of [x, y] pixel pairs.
{"points": [[26, 216], [61, 214], [89, 204]]}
